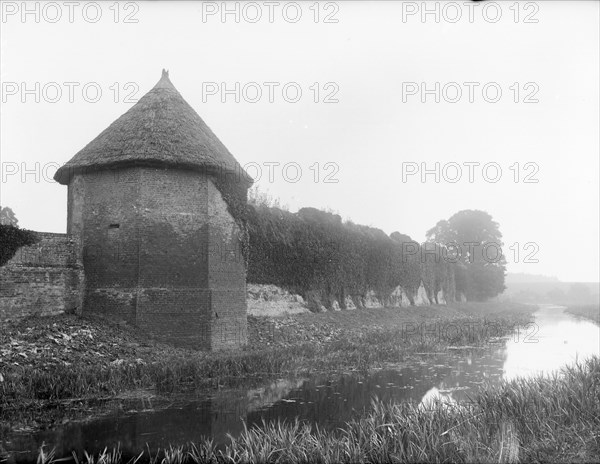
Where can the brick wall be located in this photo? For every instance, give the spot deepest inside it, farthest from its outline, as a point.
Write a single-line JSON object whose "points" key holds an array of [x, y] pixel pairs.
{"points": [[97, 201], [42, 279], [161, 251], [226, 275]]}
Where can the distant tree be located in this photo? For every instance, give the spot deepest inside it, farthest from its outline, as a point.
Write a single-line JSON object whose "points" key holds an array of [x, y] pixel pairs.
{"points": [[473, 238], [7, 217], [579, 292], [440, 232], [466, 226]]}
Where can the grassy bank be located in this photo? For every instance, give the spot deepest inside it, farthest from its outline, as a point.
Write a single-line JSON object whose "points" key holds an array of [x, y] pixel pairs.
{"points": [[47, 363], [542, 419], [591, 312]]}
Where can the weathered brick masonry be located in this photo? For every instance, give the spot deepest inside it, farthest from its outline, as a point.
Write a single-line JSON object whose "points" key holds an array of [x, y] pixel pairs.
{"points": [[42, 279], [162, 252], [159, 244]]}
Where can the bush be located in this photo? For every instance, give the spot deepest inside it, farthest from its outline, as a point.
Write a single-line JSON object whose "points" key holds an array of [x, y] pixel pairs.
{"points": [[315, 254], [11, 239]]}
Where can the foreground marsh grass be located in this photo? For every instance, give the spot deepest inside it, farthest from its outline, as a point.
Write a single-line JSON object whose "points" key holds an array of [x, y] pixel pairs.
{"points": [[552, 418]]}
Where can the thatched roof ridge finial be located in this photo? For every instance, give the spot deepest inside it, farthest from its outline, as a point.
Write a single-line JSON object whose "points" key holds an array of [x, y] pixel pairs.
{"points": [[164, 82]]}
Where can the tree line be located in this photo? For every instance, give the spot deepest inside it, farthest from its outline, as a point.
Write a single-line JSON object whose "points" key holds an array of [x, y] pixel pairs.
{"points": [[317, 255]]}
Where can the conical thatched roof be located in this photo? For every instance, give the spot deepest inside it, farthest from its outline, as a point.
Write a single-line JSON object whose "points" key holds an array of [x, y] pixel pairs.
{"points": [[161, 129]]}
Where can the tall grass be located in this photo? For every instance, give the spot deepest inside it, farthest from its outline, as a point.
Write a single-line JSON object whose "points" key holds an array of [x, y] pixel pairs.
{"points": [[177, 372], [542, 419]]}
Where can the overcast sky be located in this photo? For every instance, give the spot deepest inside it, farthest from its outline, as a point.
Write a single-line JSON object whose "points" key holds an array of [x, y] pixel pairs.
{"points": [[373, 128]]}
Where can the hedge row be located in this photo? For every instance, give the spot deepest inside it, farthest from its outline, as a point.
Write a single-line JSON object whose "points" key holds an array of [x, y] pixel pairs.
{"points": [[313, 253]]}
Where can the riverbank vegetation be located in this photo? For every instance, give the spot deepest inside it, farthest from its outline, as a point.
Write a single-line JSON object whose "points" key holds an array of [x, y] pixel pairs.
{"points": [[591, 311], [47, 363], [11, 239], [552, 418]]}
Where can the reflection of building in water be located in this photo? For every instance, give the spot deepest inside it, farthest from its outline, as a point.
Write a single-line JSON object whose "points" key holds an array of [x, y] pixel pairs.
{"points": [[159, 426], [131, 432], [266, 396]]}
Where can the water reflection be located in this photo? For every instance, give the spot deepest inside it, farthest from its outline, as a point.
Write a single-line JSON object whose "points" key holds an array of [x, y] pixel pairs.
{"points": [[556, 339], [434, 397]]}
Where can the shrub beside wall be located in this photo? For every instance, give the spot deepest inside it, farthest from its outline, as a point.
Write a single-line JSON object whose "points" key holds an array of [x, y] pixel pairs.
{"points": [[11, 239], [315, 254]]}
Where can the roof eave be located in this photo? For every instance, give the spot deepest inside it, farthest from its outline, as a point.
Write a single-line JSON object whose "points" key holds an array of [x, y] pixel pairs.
{"points": [[65, 173]]}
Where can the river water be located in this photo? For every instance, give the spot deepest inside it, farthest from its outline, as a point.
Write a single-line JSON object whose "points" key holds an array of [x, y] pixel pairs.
{"points": [[553, 340]]}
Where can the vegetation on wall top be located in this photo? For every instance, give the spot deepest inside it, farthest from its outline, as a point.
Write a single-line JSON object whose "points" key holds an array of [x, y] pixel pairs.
{"points": [[11, 239]]}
